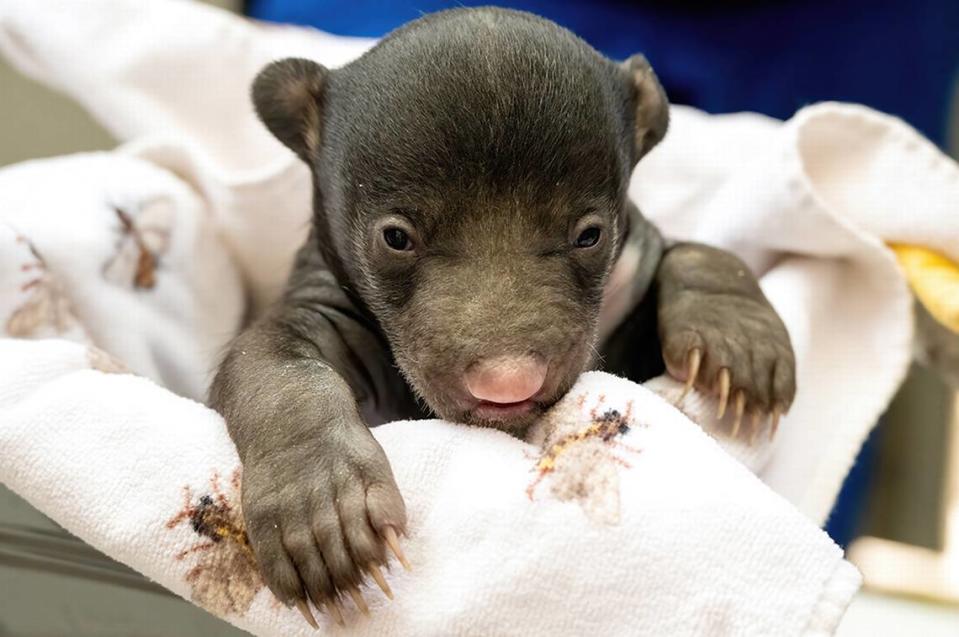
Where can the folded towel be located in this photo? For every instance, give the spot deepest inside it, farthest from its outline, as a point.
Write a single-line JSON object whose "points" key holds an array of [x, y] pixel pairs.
{"points": [[815, 199], [626, 519]]}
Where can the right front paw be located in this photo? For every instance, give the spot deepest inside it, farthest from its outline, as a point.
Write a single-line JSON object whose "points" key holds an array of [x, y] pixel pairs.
{"points": [[320, 518]]}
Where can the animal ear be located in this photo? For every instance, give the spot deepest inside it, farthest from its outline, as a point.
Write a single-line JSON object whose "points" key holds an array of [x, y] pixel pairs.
{"points": [[288, 97], [649, 103]]}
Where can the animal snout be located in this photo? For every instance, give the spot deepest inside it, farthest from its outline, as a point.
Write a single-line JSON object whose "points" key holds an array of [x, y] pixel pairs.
{"points": [[506, 379]]}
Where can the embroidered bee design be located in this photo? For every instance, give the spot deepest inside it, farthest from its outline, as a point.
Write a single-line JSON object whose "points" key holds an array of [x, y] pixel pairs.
{"points": [[580, 460], [225, 578]]}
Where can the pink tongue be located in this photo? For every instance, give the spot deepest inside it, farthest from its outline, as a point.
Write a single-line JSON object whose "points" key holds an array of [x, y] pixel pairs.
{"points": [[508, 379]]}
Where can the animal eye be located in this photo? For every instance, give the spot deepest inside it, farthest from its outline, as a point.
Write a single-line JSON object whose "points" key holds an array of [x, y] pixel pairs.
{"points": [[588, 237], [397, 239]]}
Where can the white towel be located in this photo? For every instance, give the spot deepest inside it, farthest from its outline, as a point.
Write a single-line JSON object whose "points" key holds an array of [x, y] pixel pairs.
{"points": [[653, 532], [807, 212]]}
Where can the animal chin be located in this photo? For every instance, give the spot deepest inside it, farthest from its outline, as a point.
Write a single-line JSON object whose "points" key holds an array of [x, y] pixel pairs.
{"points": [[495, 412], [513, 418]]}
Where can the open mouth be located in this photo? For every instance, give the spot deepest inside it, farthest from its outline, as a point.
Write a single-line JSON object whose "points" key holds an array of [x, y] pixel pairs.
{"points": [[487, 410]]}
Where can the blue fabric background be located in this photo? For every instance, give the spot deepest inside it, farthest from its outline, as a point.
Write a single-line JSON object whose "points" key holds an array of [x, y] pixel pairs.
{"points": [[899, 56]]}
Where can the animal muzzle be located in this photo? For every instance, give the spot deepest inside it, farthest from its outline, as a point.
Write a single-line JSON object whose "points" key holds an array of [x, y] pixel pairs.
{"points": [[506, 380]]}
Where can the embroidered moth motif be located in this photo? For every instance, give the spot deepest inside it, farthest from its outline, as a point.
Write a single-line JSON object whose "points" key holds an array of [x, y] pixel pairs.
{"points": [[144, 238], [47, 310], [580, 460], [225, 578]]}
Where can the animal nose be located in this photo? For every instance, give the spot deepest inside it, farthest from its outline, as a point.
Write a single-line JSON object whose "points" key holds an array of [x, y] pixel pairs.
{"points": [[506, 379]]}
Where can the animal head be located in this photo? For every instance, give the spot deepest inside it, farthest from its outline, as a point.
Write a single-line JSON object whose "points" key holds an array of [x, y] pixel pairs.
{"points": [[470, 176]]}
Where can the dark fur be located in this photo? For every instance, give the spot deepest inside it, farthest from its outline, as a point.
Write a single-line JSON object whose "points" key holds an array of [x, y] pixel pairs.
{"points": [[490, 136]]}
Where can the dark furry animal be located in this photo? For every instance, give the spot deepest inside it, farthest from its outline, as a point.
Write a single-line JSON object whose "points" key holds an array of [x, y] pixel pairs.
{"points": [[470, 176]]}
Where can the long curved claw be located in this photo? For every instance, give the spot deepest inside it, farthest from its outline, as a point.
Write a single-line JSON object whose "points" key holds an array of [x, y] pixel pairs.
{"points": [[724, 381], [380, 580], [359, 601], [389, 534], [740, 408], [777, 414], [304, 609], [333, 608], [693, 361]]}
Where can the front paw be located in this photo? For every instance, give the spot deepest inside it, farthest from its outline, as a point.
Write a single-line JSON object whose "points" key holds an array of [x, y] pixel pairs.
{"points": [[734, 346], [320, 517]]}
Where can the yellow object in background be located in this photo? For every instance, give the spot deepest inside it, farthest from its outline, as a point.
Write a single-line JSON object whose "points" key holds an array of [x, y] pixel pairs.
{"points": [[934, 280]]}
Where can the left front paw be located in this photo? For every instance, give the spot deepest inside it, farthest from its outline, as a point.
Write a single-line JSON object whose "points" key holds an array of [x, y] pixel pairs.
{"points": [[731, 345]]}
